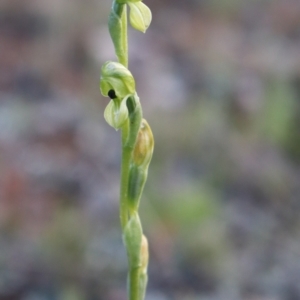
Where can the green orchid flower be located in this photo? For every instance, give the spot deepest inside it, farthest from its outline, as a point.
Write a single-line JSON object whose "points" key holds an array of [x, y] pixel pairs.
{"points": [[118, 83], [114, 76]]}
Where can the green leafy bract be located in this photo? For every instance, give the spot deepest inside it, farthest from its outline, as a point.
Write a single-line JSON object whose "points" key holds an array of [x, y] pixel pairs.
{"points": [[133, 240]]}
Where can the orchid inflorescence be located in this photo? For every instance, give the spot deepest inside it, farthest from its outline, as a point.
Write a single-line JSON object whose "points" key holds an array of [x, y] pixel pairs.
{"points": [[124, 112]]}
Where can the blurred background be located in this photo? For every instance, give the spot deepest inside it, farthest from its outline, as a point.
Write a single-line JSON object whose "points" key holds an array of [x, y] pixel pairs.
{"points": [[219, 82]]}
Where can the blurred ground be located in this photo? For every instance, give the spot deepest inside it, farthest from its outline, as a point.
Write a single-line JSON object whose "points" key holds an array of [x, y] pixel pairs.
{"points": [[220, 86]]}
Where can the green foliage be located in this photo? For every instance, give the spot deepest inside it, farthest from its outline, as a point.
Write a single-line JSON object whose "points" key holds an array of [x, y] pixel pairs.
{"points": [[198, 204], [278, 113]]}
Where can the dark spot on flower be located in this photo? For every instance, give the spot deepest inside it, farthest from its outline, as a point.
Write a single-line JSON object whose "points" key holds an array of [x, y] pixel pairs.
{"points": [[112, 94]]}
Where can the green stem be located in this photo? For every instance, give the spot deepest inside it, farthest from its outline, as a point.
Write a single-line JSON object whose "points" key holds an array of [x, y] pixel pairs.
{"points": [[118, 31], [134, 284], [125, 37], [129, 135], [121, 39], [125, 165], [117, 25]]}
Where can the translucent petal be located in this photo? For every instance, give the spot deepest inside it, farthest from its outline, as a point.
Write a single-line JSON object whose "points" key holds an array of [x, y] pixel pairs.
{"points": [[116, 113], [105, 87]]}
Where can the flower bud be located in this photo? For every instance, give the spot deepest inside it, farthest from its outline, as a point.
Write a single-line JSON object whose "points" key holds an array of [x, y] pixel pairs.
{"points": [[140, 15], [114, 76], [144, 145], [138, 171]]}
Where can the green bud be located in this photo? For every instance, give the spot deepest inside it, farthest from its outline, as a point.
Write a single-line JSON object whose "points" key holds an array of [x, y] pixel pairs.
{"points": [[144, 145], [140, 16], [114, 76], [116, 113], [138, 172], [133, 240]]}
